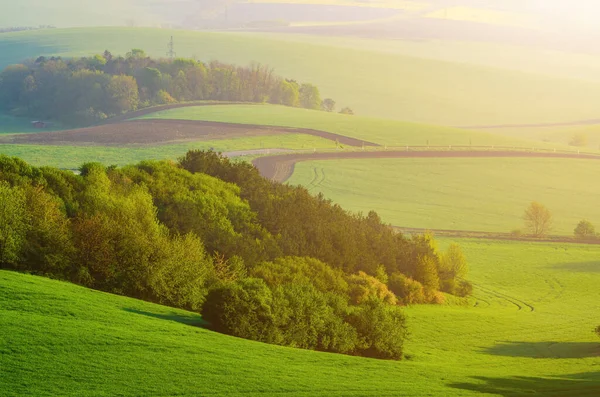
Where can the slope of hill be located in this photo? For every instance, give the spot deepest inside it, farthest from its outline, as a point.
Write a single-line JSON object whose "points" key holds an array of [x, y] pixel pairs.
{"points": [[373, 83], [530, 330]]}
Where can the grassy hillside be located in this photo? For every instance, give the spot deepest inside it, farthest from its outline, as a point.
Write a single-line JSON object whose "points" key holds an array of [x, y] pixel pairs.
{"points": [[60, 339], [381, 131], [459, 194], [374, 83]]}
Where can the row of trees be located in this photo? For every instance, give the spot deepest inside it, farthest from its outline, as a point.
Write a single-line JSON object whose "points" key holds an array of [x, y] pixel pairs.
{"points": [[87, 90], [539, 221], [259, 259]]}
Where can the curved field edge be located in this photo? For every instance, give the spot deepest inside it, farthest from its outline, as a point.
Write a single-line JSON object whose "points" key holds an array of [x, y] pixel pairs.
{"points": [[89, 342], [384, 132]]}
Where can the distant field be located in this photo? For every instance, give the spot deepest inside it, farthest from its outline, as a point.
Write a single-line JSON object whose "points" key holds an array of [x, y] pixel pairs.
{"points": [[562, 135], [374, 83], [529, 332], [459, 194], [73, 157], [381, 131]]}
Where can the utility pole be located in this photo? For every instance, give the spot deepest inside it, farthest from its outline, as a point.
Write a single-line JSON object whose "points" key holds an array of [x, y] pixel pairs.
{"points": [[171, 46]]}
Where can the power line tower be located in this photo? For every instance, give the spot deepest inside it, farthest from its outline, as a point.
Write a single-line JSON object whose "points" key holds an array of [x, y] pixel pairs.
{"points": [[171, 46]]}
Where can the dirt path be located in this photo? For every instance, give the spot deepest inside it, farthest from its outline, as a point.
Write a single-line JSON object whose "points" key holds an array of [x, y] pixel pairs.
{"points": [[161, 131], [280, 168]]}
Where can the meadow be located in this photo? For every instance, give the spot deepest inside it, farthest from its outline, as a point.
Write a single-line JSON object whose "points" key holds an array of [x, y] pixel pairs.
{"points": [[528, 329], [458, 194], [72, 157], [374, 83], [380, 131]]}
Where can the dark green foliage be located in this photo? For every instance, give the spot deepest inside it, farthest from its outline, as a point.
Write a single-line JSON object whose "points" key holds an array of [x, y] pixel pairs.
{"points": [[243, 308], [89, 90], [381, 329], [14, 223], [190, 235]]}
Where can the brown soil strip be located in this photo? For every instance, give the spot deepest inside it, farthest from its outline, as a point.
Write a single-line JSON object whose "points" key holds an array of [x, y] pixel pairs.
{"points": [[160, 131], [280, 168]]}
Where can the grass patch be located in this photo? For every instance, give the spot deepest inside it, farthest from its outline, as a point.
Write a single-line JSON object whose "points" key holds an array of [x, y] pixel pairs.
{"points": [[459, 194], [73, 157], [60, 339]]}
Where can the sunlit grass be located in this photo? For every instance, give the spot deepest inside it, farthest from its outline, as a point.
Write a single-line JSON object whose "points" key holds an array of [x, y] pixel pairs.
{"points": [[459, 194], [60, 339]]}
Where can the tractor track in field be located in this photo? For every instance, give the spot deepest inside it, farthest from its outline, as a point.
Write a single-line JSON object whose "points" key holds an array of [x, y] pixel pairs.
{"points": [[281, 167], [521, 305]]}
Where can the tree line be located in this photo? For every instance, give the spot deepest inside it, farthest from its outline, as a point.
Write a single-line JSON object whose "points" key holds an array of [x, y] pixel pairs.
{"points": [[260, 260], [91, 89]]}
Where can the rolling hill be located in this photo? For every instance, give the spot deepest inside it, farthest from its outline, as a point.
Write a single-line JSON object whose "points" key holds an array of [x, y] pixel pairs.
{"points": [[529, 331]]}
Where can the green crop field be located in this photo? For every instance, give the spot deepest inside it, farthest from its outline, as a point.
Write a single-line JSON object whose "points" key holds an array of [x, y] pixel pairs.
{"points": [[590, 135], [72, 157], [528, 331], [459, 194], [375, 83], [381, 131]]}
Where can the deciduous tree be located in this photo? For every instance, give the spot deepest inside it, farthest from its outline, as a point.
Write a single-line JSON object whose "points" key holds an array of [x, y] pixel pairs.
{"points": [[538, 219]]}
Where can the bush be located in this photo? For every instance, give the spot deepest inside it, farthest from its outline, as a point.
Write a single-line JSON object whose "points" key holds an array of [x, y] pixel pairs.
{"points": [[585, 230], [309, 319], [464, 288], [597, 330], [381, 329], [363, 287], [242, 308], [290, 270], [517, 233], [408, 291]]}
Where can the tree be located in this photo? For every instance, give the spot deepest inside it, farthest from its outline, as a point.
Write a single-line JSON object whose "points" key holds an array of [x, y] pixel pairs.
{"points": [[597, 330], [328, 105], [310, 98], [579, 140], [538, 219], [13, 223], [585, 230], [347, 111]]}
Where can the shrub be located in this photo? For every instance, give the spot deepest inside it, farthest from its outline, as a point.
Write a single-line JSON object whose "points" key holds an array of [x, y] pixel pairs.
{"points": [[409, 291], [309, 319], [242, 308], [289, 270], [517, 233], [597, 330], [381, 329], [464, 288], [585, 230], [363, 287]]}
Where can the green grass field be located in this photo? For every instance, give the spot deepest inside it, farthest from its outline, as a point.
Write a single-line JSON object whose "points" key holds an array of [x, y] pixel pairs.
{"points": [[376, 83], [60, 339], [381, 131], [73, 157], [459, 194]]}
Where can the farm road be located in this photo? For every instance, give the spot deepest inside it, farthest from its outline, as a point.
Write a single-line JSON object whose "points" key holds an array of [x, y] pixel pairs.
{"points": [[281, 167]]}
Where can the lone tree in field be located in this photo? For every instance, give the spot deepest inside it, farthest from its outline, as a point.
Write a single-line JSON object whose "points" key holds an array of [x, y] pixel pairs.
{"points": [[538, 219], [585, 230]]}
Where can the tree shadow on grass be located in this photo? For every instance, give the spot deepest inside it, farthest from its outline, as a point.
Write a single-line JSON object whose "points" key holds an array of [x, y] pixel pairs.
{"points": [[192, 319], [558, 350], [582, 385], [579, 267]]}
